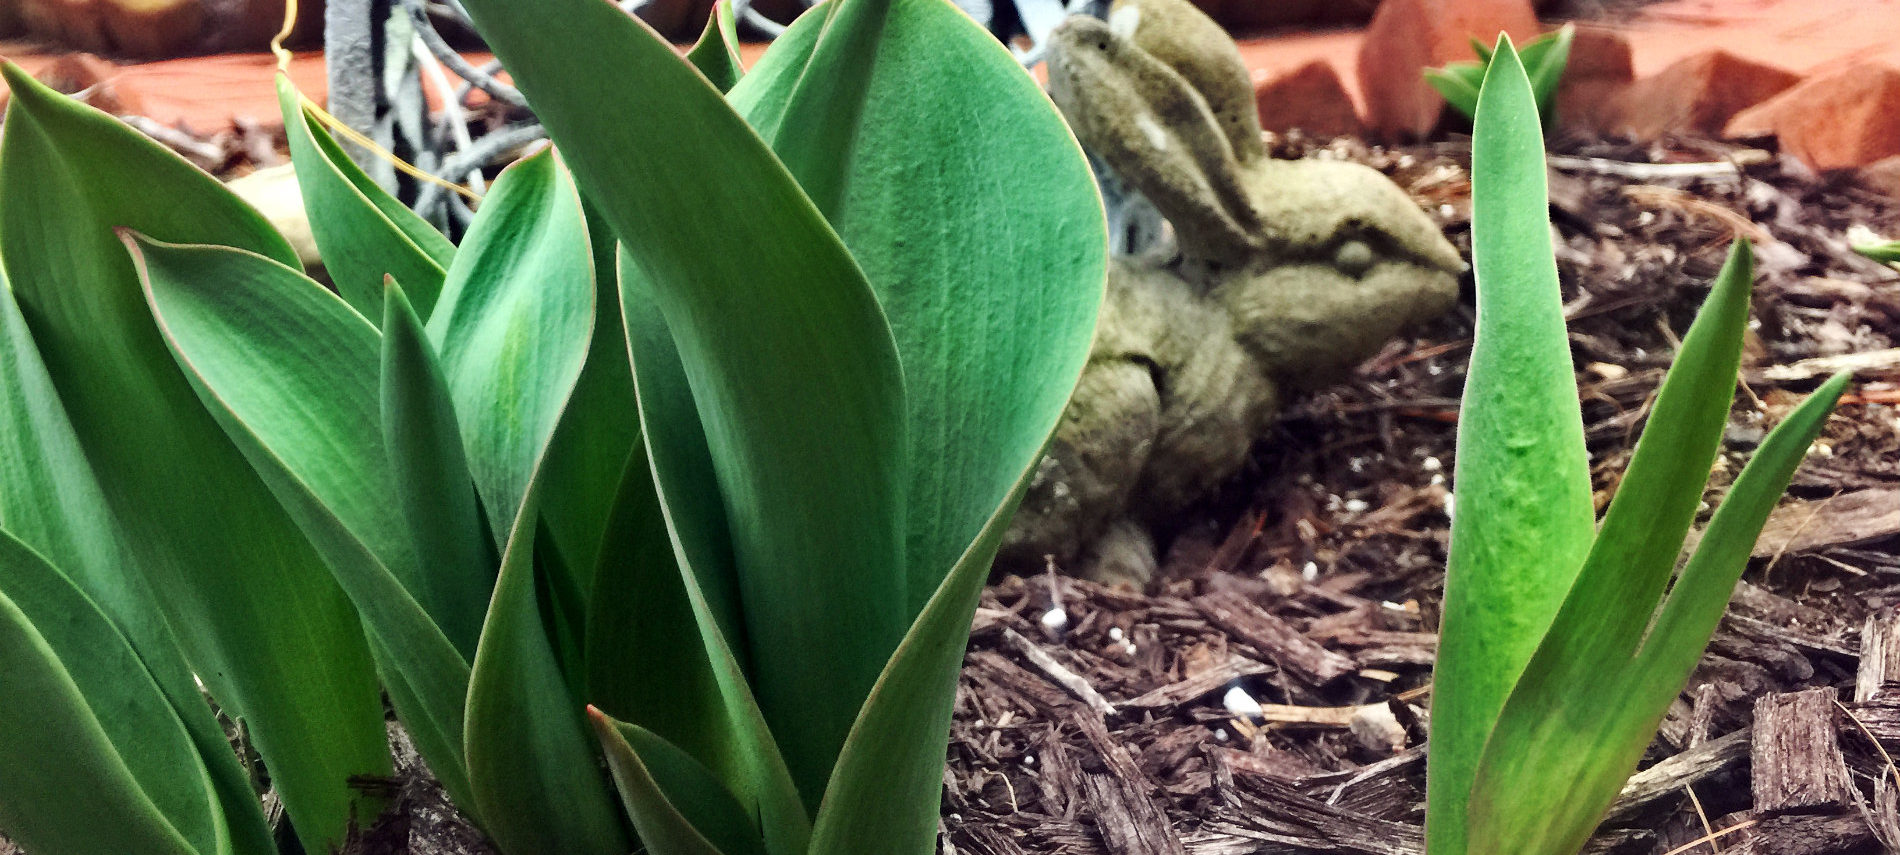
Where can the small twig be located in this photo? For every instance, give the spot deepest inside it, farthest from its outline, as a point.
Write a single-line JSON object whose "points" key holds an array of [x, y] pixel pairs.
{"points": [[1712, 836], [1644, 171], [1708, 831], [1059, 673]]}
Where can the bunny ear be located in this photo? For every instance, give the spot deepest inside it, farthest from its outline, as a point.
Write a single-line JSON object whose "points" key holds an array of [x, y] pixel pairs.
{"points": [[1154, 130], [1185, 39]]}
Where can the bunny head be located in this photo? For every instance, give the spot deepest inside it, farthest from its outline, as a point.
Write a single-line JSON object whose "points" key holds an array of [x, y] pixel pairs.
{"points": [[1318, 262]]}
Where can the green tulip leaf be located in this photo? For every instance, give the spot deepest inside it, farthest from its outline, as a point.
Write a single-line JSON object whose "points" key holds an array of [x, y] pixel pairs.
{"points": [[83, 715], [363, 232], [533, 762], [678, 806], [1524, 520], [301, 677], [599, 429], [513, 328], [792, 367], [51, 501], [292, 373], [732, 738], [994, 312], [716, 55], [432, 480]]}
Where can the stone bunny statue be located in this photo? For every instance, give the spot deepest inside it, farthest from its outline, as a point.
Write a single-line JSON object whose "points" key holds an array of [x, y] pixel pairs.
{"points": [[1285, 274]]}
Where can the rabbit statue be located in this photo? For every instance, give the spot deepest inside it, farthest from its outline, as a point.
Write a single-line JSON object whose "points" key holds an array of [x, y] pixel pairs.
{"points": [[1284, 275]]}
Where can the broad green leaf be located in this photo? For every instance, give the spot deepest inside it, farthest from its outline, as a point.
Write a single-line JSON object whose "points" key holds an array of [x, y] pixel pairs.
{"points": [[84, 717], [885, 791], [432, 480], [300, 676], [1579, 722], [735, 743], [820, 111], [50, 500], [513, 328], [1524, 519], [716, 55], [364, 233], [55, 749], [533, 763], [792, 367], [990, 268], [639, 670], [682, 464], [1545, 58], [677, 804], [293, 376], [598, 430]]}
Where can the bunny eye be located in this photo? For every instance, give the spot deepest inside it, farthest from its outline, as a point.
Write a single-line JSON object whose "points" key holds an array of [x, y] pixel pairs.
{"points": [[1352, 257]]}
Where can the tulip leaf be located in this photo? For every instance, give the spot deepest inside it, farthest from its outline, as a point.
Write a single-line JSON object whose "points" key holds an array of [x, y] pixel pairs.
{"points": [[51, 501], [1888, 252], [884, 793], [735, 743], [513, 328], [599, 428], [301, 677], [791, 363], [1586, 710], [432, 479], [76, 689], [993, 313], [1524, 520], [678, 806], [363, 232], [716, 55], [533, 762], [292, 373]]}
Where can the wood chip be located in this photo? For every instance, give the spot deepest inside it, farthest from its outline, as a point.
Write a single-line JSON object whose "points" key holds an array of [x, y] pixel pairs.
{"points": [[1796, 755], [1836, 834], [1843, 520], [1666, 779], [1058, 673], [1198, 686], [1821, 366], [1879, 671], [1276, 639]]}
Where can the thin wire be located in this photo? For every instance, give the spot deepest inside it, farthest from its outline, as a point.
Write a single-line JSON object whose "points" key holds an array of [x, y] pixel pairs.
{"points": [[283, 67]]}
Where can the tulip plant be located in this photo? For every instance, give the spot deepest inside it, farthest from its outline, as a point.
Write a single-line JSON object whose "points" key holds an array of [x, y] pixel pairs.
{"points": [[659, 507], [1544, 58], [1563, 641]]}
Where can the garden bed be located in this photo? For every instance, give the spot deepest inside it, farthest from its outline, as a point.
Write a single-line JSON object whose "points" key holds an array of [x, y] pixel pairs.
{"points": [[1313, 587]]}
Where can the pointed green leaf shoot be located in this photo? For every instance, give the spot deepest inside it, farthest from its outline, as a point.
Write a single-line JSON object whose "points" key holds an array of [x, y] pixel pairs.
{"points": [[1579, 714], [1524, 521]]}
